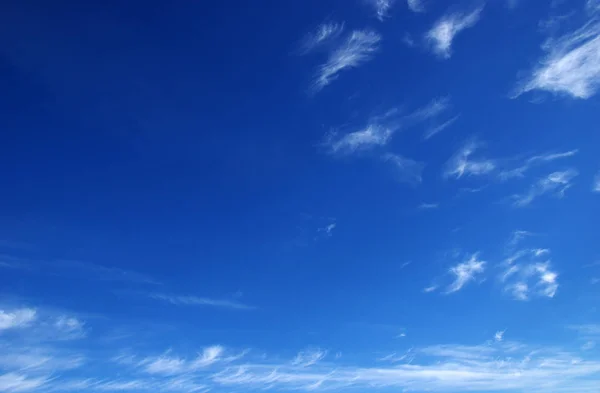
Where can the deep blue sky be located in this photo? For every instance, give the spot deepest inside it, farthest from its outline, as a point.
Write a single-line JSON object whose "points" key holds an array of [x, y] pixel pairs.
{"points": [[299, 195]]}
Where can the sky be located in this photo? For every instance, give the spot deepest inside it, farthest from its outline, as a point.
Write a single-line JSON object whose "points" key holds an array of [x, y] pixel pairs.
{"points": [[293, 196]]}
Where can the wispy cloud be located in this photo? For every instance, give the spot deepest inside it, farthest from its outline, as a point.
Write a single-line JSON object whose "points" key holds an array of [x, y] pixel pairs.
{"points": [[465, 272], [416, 5], [381, 7], [596, 184], [527, 272], [16, 319], [373, 135], [166, 364], [462, 163], [433, 109], [405, 169], [325, 35], [439, 128], [309, 357], [357, 48], [428, 206], [572, 63], [184, 300], [534, 161], [556, 182], [444, 31]]}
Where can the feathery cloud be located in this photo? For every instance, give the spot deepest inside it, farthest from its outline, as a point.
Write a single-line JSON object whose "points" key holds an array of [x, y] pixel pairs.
{"points": [[462, 164], [356, 49], [428, 206], [572, 63], [465, 272], [381, 7], [16, 319], [183, 300], [556, 182], [535, 161], [324, 35], [373, 135], [309, 357], [416, 5], [444, 31], [406, 169], [526, 274]]}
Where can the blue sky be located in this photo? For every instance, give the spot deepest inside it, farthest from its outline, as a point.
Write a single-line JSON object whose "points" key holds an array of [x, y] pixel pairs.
{"points": [[335, 195]]}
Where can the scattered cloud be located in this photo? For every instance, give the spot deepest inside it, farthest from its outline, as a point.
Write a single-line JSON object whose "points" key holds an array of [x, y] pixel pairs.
{"points": [[323, 36], [428, 206], [358, 48], [187, 300], [433, 109], [16, 319], [69, 327], [534, 161], [556, 182], [571, 65], [430, 288], [406, 170], [596, 185], [499, 336], [381, 7], [444, 31], [309, 357], [517, 236], [416, 5], [374, 135], [465, 272], [462, 163], [526, 272], [328, 229]]}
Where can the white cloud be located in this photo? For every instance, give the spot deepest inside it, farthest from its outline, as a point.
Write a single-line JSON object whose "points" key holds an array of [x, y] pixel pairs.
{"points": [[556, 183], [324, 35], [374, 135], [525, 275], [184, 300], [355, 50], [444, 31], [517, 236], [462, 164], [430, 288], [499, 336], [328, 229], [596, 185], [167, 364], [416, 5], [435, 130], [534, 161], [428, 206], [406, 169], [465, 272], [433, 109], [572, 63], [164, 365], [12, 383], [18, 318], [309, 357], [69, 327], [381, 7]]}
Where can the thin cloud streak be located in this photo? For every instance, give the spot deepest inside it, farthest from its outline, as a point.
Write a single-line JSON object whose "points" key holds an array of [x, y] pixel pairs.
{"points": [[531, 162], [183, 300], [355, 50], [405, 169], [435, 130], [596, 184], [556, 182], [444, 31]]}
